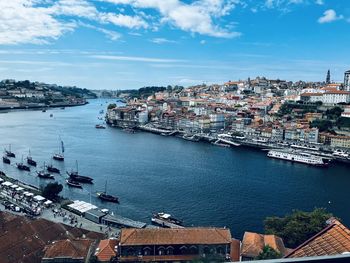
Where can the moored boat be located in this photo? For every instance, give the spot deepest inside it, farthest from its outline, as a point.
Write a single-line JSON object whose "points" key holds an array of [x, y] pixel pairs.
{"points": [[52, 169], [60, 155], [44, 175], [22, 167], [299, 157], [100, 126], [166, 220], [73, 183], [75, 176], [9, 153], [30, 160], [107, 197], [6, 160]]}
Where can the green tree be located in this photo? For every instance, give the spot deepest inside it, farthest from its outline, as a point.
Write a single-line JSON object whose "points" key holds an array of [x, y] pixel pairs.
{"points": [[297, 227], [52, 190], [268, 253], [112, 106], [322, 125]]}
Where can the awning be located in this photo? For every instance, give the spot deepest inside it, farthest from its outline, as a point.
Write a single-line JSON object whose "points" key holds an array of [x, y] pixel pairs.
{"points": [[6, 184], [39, 198]]}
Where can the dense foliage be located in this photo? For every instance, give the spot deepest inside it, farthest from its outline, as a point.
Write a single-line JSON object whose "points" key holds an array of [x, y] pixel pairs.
{"points": [[51, 191], [111, 106], [268, 253], [297, 227], [148, 91], [322, 125], [64, 90]]}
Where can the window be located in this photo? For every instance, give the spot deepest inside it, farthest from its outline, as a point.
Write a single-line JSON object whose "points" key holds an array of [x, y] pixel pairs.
{"points": [[219, 250], [169, 250], [147, 251], [193, 250], [161, 251], [183, 250]]}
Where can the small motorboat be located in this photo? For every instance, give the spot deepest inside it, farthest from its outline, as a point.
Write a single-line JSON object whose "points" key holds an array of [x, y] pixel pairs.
{"points": [[100, 126]]}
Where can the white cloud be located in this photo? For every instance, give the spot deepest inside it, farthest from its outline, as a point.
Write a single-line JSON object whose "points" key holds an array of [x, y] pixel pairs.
{"points": [[329, 16], [21, 22], [123, 20], [76, 8], [112, 35], [197, 17], [162, 41], [136, 59], [319, 2]]}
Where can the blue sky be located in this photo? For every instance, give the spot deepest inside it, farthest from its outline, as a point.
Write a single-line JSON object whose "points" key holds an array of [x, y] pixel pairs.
{"points": [[122, 44]]}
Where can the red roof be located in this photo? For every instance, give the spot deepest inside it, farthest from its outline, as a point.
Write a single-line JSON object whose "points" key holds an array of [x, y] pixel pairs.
{"points": [[73, 249], [332, 240], [106, 249]]}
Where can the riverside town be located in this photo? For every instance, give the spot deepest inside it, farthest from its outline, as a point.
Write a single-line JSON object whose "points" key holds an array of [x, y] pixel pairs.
{"points": [[174, 131], [306, 122], [301, 122]]}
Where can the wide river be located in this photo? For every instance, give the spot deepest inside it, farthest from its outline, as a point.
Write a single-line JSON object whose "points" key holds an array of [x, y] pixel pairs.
{"points": [[202, 184]]}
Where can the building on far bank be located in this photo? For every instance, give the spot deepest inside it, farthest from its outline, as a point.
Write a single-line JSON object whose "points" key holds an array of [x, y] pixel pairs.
{"points": [[176, 245], [347, 80]]}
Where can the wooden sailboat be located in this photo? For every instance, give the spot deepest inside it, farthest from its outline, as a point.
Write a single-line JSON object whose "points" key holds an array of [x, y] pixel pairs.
{"points": [[60, 155], [9, 153], [75, 176], [30, 160], [106, 197]]}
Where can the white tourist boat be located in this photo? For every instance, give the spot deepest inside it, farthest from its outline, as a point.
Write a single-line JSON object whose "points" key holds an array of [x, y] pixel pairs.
{"points": [[166, 220], [297, 156]]}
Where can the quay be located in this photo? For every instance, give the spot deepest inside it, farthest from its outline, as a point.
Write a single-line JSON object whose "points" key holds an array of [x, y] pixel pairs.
{"points": [[22, 199], [222, 139]]}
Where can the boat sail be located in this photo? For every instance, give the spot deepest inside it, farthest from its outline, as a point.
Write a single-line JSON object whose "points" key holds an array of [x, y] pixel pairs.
{"points": [[60, 155]]}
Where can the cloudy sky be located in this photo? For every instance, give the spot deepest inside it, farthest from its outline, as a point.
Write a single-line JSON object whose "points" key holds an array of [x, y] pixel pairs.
{"points": [[120, 44]]}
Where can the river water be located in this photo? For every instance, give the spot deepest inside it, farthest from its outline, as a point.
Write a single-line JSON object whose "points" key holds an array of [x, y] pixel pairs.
{"points": [[202, 184]]}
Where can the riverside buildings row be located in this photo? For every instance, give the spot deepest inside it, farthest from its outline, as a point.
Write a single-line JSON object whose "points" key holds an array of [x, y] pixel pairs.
{"points": [[252, 108]]}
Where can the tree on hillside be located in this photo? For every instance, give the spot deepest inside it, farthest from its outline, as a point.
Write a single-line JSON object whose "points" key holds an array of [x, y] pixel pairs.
{"points": [[297, 227], [268, 253], [112, 106], [322, 125], [52, 190]]}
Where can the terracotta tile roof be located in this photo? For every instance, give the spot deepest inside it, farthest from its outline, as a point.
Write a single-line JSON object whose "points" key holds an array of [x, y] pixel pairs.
{"points": [[73, 249], [106, 249], [253, 244], [235, 250], [332, 240], [175, 236], [23, 240], [338, 92]]}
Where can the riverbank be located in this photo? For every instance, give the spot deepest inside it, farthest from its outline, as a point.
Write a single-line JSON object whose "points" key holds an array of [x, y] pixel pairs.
{"points": [[41, 107], [228, 140]]}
